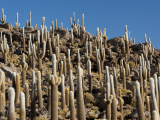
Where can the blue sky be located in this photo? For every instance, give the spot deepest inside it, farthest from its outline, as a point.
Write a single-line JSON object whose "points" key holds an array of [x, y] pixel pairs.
{"points": [[140, 16]]}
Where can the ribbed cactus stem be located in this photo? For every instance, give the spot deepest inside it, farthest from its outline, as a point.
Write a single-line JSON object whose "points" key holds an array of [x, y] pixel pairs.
{"points": [[155, 115], [72, 42], [140, 75], [82, 20], [71, 81], [114, 100], [99, 69], [53, 64], [89, 76], [22, 107], [156, 88], [147, 104], [108, 102], [11, 107], [17, 84], [55, 81], [115, 80], [2, 106], [26, 95], [80, 100], [49, 102], [139, 102], [64, 66], [68, 58], [67, 95], [102, 94], [124, 79], [33, 95], [63, 92], [78, 56], [24, 45], [71, 105], [26, 23], [39, 90]]}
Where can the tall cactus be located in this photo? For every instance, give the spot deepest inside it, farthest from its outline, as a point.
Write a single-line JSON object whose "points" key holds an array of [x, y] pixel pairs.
{"points": [[39, 55], [16, 23], [17, 85], [39, 90], [55, 81], [63, 92], [11, 107], [80, 100], [3, 20], [24, 68], [26, 95], [33, 94], [139, 102], [22, 107], [89, 76], [5, 49], [71, 105], [71, 81]]}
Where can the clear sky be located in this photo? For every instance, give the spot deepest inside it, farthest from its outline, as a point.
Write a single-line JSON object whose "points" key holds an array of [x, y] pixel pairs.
{"points": [[140, 16]]}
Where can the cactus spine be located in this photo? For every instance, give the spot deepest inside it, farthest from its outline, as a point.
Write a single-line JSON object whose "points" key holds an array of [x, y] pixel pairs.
{"points": [[11, 107], [22, 107], [40, 99]]}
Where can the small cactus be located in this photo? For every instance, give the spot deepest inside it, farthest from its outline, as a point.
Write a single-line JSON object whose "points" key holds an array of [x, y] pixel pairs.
{"points": [[3, 20], [16, 23]]}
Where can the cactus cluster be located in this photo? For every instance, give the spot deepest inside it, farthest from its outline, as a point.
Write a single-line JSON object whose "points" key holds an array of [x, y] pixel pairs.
{"points": [[79, 77]]}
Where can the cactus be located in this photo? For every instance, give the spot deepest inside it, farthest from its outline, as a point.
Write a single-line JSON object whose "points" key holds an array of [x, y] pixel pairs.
{"points": [[61, 69], [24, 68], [89, 76], [33, 102], [156, 88], [16, 23], [55, 81], [155, 115], [78, 57], [64, 66], [5, 49], [147, 104], [3, 20], [71, 81], [39, 56], [53, 64], [102, 94], [26, 95], [108, 102], [2, 106], [49, 102], [80, 100], [24, 42], [63, 91], [71, 105], [22, 107], [121, 105], [11, 107], [39, 90], [124, 79], [30, 19], [17, 85], [139, 102], [115, 80], [114, 100], [72, 42]]}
